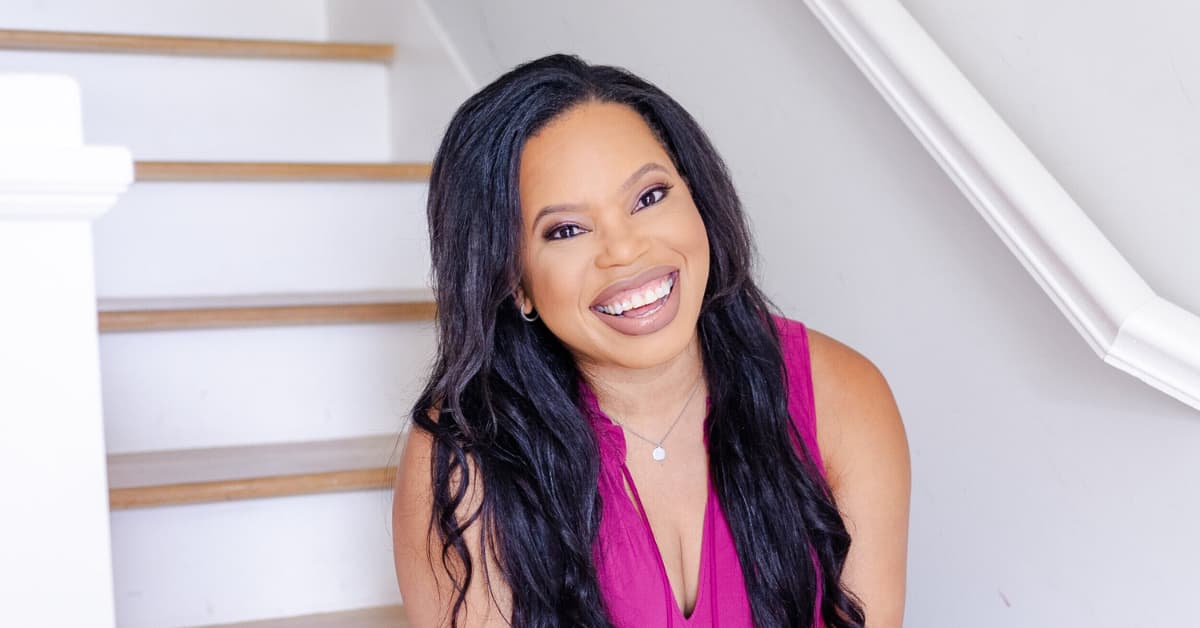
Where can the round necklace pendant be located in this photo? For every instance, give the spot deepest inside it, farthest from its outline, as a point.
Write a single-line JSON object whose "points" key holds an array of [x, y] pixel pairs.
{"points": [[659, 453]]}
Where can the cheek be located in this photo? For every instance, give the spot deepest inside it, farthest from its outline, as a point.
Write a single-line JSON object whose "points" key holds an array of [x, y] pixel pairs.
{"points": [[697, 251], [697, 238], [701, 234], [554, 277]]}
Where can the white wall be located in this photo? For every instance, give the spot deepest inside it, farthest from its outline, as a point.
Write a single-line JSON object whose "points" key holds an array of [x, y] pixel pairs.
{"points": [[1107, 98], [426, 82], [1048, 488]]}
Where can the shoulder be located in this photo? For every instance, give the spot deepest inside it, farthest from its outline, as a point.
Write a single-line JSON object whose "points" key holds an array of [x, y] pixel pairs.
{"points": [[868, 468], [857, 415], [856, 412], [414, 539], [426, 589]]}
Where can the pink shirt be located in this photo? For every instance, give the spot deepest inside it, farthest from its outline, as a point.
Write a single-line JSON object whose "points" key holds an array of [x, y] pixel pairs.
{"points": [[631, 572]]}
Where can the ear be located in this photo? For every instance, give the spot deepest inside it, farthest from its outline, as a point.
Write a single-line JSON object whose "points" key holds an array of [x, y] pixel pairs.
{"points": [[521, 301]]}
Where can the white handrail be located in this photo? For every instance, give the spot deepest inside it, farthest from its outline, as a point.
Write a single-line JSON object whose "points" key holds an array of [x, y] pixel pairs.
{"points": [[1117, 313]]}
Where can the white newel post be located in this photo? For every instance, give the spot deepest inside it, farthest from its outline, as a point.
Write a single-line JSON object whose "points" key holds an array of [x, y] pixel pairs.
{"points": [[55, 556]]}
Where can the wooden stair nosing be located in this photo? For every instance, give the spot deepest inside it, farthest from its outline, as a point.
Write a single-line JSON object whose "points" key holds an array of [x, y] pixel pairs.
{"points": [[268, 299], [210, 318], [75, 41], [191, 476], [377, 617], [151, 171], [251, 488]]}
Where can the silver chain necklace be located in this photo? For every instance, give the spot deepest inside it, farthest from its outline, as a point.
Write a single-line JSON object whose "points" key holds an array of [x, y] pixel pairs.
{"points": [[659, 452]]}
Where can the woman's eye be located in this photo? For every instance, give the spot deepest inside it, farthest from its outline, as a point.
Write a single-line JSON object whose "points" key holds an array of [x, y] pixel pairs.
{"points": [[560, 232], [653, 195]]}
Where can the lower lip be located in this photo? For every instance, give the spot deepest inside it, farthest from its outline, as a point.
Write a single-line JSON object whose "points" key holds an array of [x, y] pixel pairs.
{"points": [[647, 323]]}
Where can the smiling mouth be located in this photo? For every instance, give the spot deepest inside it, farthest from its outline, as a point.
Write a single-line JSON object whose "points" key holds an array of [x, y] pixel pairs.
{"points": [[650, 300]]}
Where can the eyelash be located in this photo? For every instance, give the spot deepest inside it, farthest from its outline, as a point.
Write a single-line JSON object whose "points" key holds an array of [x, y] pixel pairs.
{"points": [[664, 188]]}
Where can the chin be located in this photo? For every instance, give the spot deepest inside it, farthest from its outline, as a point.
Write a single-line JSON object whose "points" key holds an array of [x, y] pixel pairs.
{"points": [[654, 350]]}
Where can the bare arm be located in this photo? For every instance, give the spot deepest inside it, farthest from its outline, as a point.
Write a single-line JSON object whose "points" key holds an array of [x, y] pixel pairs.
{"points": [[424, 584], [862, 439]]}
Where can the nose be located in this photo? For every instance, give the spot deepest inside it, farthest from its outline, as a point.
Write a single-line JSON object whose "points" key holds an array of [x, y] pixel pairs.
{"points": [[623, 241]]}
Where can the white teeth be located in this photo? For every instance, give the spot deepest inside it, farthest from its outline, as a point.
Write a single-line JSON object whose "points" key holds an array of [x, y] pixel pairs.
{"points": [[650, 295], [662, 291]]}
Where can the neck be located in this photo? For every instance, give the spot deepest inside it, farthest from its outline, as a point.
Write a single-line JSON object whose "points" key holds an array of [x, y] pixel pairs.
{"points": [[648, 400]]}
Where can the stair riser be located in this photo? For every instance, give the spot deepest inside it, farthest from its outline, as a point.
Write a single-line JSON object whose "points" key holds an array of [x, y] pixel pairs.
{"points": [[276, 19], [185, 239], [238, 561], [211, 388], [190, 108]]}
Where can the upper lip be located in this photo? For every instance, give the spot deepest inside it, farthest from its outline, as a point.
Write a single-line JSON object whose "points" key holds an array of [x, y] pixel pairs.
{"points": [[636, 281]]}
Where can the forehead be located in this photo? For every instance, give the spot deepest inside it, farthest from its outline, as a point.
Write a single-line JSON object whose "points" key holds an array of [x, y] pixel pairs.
{"points": [[590, 148]]}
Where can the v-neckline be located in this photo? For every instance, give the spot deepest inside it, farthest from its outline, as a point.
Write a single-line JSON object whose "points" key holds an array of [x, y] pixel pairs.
{"points": [[705, 534], [706, 530]]}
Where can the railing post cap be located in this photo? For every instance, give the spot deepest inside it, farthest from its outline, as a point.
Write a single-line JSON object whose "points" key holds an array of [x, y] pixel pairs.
{"points": [[40, 110], [46, 171]]}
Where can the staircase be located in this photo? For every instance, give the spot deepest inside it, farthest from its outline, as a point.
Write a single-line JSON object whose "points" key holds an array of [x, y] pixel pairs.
{"points": [[261, 292]]}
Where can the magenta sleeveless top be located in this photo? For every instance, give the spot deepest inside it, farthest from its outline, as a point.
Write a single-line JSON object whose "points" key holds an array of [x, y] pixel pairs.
{"points": [[632, 577]]}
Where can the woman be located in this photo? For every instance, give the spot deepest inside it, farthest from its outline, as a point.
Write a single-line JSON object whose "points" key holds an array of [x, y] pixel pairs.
{"points": [[617, 430]]}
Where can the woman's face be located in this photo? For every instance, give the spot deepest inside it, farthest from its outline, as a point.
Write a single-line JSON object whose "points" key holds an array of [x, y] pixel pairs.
{"points": [[614, 251]]}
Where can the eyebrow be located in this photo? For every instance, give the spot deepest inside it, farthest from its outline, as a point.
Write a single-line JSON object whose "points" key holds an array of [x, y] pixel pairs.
{"points": [[633, 178]]}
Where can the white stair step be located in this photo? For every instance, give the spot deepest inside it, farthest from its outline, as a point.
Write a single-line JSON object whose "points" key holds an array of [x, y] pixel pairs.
{"points": [[220, 388], [181, 239], [191, 108], [249, 560], [280, 19]]}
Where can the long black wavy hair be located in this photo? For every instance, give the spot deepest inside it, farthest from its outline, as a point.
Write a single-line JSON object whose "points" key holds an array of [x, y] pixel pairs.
{"points": [[506, 390]]}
